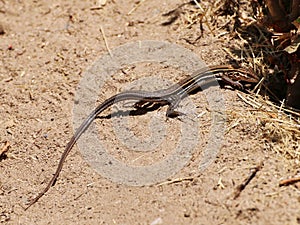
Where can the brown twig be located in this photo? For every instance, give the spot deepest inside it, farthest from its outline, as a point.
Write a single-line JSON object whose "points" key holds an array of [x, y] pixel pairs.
{"points": [[289, 181], [243, 185]]}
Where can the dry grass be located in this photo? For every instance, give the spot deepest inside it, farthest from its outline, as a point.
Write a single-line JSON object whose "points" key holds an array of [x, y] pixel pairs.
{"points": [[278, 125]]}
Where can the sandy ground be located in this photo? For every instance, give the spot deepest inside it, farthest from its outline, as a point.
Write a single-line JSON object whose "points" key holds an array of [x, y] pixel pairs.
{"points": [[45, 50]]}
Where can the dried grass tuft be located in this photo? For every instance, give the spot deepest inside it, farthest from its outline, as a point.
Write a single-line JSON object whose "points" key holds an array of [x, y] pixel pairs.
{"points": [[256, 49], [279, 126]]}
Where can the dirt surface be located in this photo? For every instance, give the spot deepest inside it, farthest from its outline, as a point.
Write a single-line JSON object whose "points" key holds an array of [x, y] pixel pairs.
{"points": [[45, 48]]}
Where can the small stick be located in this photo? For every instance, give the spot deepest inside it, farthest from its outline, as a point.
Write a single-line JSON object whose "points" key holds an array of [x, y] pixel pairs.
{"points": [[100, 5], [177, 180], [289, 181], [243, 185], [134, 8], [105, 41]]}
